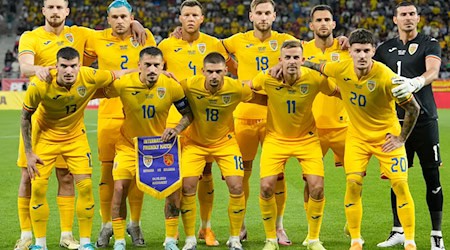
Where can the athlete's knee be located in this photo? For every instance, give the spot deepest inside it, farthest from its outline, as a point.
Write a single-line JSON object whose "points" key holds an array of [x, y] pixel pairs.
{"points": [[267, 187], [189, 185], [235, 187], [400, 187], [432, 177], [39, 188], [316, 191], [354, 184]]}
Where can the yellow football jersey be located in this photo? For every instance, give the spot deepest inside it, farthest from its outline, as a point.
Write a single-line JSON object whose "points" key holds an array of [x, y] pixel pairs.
{"points": [[368, 101], [328, 111], [44, 45], [145, 109], [213, 113], [185, 59], [289, 115], [114, 53], [61, 111], [254, 56]]}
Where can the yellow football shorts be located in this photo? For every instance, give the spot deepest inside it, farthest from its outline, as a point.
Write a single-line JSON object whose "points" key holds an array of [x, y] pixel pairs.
{"points": [[22, 158], [277, 151], [334, 139], [108, 135], [124, 167], [249, 133], [226, 154], [77, 155], [393, 165]]}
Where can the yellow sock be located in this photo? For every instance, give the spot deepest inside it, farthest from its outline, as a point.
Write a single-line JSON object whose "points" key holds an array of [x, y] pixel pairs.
{"points": [[188, 211], [405, 207], [85, 207], [23, 205], [236, 213], [106, 191], [246, 184], [171, 227], [119, 225], [205, 198], [66, 206], [269, 213], [280, 196], [353, 205], [39, 211], [315, 216], [135, 199]]}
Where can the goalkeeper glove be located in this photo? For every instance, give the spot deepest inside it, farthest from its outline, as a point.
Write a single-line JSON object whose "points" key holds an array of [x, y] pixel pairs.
{"points": [[407, 86]]}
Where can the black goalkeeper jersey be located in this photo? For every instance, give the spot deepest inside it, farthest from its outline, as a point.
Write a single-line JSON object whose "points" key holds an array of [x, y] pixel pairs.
{"points": [[409, 59]]}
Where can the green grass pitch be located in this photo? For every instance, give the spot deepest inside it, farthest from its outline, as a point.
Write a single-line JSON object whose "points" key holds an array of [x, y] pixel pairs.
{"points": [[376, 218]]}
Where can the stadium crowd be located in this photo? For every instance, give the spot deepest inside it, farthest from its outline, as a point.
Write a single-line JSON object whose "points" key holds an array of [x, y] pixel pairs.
{"points": [[224, 18]]}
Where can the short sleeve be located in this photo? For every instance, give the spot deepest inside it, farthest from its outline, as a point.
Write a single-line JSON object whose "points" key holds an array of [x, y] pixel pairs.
{"points": [[230, 42], [89, 49], [330, 69], [101, 78], [258, 81], [221, 49], [247, 93], [27, 44], [177, 91], [33, 95], [433, 48], [327, 87], [113, 90], [150, 39]]}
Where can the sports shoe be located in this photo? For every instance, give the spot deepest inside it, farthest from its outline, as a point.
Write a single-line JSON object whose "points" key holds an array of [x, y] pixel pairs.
{"points": [[170, 245], [437, 243], [119, 246], [271, 245], [190, 245], [234, 245], [69, 243], [356, 246], [209, 237], [283, 238], [411, 247], [346, 231], [395, 238], [23, 244], [104, 237], [88, 246], [135, 233], [243, 234], [316, 245], [306, 241], [36, 247]]}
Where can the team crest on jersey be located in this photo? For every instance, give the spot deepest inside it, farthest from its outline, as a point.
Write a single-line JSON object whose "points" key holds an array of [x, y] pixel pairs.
{"points": [[334, 57], [413, 48], [226, 99], [168, 160], [371, 85], [134, 42], [201, 48], [273, 44], [81, 91], [147, 160], [161, 92], [69, 37], [304, 88]]}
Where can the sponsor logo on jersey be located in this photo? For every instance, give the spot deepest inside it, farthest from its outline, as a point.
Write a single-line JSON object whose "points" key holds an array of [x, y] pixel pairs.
{"points": [[147, 160], [69, 37], [413, 48], [371, 84], [201, 48], [168, 160], [134, 42], [273, 44], [161, 92], [81, 91], [304, 88], [334, 57], [226, 99]]}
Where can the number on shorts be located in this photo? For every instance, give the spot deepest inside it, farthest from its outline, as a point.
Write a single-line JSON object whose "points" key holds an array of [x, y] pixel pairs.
{"points": [[399, 163], [238, 162]]}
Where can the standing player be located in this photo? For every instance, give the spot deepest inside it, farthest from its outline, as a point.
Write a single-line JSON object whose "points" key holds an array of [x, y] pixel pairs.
{"points": [[415, 55], [184, 58], [366, 89], [329, 113], [59, 131], [137, 90], [291, 132], [115, 49], [257, 50], [213, 98]]}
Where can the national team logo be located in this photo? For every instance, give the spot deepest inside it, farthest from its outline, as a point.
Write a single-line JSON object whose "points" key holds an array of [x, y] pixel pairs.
{"points": [[201, 48], [168, 160], [371, 85], [334, 57], [81, 91], [134, 42], [413, 48], [226, 99], [273, 44], [147, 160], [304, 88], [69, 37], [161, 92]]}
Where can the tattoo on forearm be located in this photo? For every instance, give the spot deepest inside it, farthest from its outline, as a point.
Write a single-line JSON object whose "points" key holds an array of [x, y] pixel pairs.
{"points": [[185, 120], [311, 65], [412, 109], [26, 130]]}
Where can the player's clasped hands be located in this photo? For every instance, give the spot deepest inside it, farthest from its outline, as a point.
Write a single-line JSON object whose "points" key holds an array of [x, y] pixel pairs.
{"points": [[392, 142]]}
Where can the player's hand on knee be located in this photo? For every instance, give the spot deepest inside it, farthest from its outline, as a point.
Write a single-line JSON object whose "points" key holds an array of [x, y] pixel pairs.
{"points": [[169, 134], [392, 142], [32, 159]]}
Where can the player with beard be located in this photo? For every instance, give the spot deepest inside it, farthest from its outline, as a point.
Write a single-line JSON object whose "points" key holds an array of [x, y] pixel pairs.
{"points": [[418, 56], [115, 49]]}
